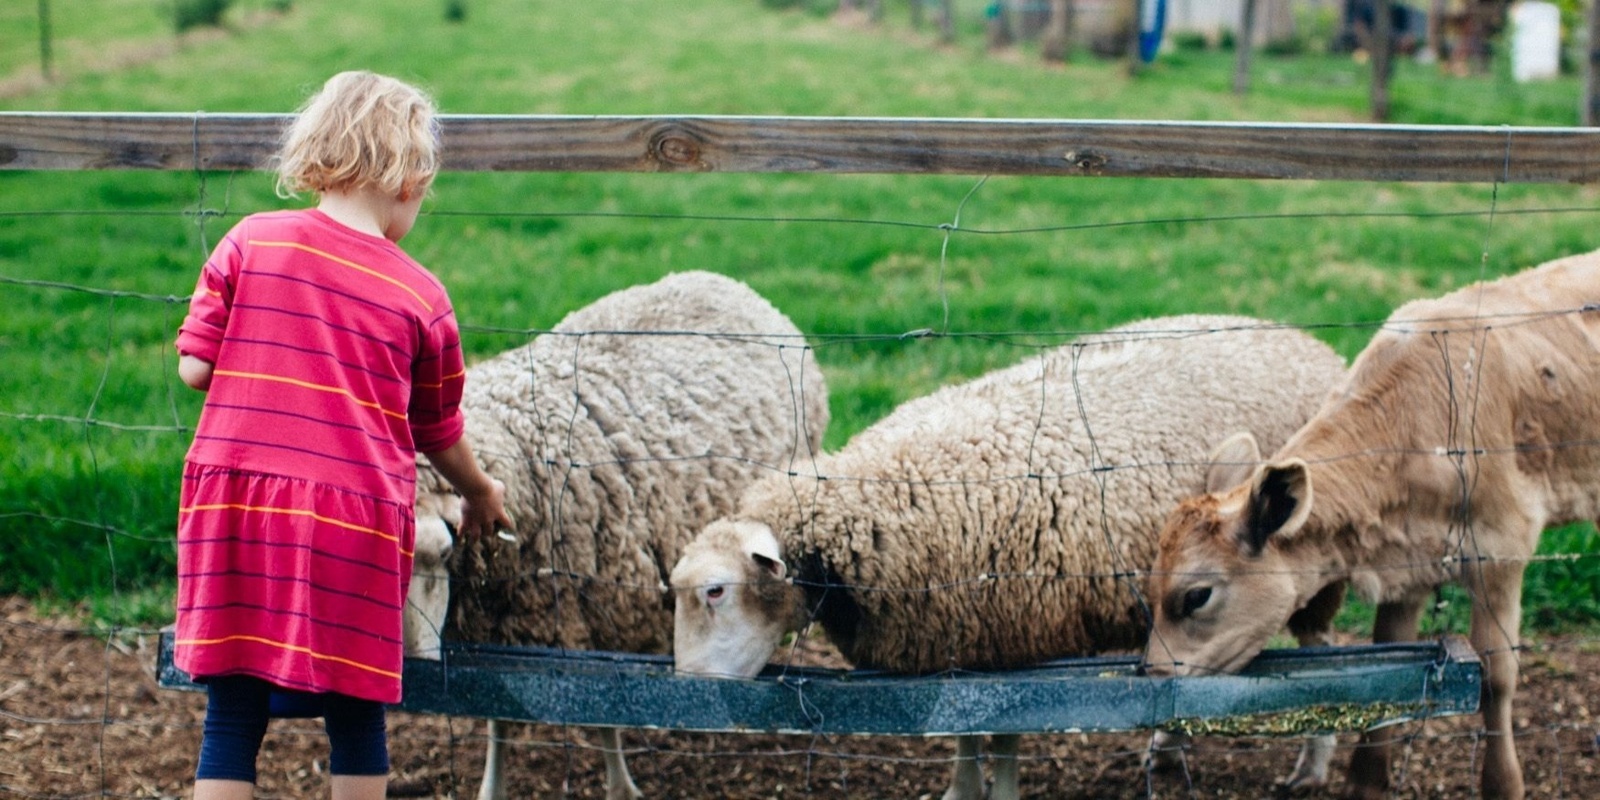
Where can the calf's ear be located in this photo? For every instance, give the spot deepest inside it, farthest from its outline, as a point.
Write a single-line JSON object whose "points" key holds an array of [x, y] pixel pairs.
{"points": [[1280, 501], [1232, 462]]}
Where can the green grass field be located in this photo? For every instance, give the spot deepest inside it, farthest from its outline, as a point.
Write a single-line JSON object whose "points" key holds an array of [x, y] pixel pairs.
{"points": [[92, 419]]}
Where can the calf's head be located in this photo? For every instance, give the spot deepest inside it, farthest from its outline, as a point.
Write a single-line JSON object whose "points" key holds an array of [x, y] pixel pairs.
{"points": [[1226, 578], [732, 602]]}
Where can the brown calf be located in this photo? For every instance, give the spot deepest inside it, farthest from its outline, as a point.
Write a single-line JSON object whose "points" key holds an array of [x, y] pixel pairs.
{"points": [[1468, 425]]}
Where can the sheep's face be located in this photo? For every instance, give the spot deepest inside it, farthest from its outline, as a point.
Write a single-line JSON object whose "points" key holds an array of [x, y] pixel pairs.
{"points": [[733, 605], [428, 597], [1222, 585]]}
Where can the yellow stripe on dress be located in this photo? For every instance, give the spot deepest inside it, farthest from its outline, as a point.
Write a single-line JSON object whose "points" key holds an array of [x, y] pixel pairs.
{"points": [[442, 381], [346, 262], [262, 376], [293, 648], [298, 512]]}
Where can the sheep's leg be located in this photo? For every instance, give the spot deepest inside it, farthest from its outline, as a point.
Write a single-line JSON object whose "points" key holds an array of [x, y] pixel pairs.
{"points": [[1311, 768], [1166, 752], [1003, 750], [1369, 764], [967, 782], [493, 786], [619, 784], [1496, 615], [1312, 626]]}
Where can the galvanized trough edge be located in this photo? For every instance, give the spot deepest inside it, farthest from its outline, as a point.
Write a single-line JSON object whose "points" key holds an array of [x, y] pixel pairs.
{"points": [[1282, 692]]}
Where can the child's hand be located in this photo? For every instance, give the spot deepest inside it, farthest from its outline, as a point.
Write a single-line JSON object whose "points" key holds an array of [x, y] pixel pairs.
{"points": [[483, 497], [484, 513], [194, 371]]}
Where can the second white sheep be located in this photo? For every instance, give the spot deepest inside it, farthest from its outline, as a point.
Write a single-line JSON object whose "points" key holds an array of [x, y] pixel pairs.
{"points": [[997, 523]]}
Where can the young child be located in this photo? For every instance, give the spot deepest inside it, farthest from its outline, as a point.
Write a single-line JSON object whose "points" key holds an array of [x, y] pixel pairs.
{"points": [[330, 358]]}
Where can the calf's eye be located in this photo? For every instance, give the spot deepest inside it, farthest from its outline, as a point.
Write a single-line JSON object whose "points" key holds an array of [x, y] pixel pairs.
{"points": [[1195, 599]]}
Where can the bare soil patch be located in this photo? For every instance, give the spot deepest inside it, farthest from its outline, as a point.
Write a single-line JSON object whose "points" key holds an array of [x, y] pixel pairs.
{"points": [[81, 716]]}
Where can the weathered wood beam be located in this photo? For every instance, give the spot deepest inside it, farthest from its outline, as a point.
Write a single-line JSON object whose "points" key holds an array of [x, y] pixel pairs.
{"points": [[1464, 154]]}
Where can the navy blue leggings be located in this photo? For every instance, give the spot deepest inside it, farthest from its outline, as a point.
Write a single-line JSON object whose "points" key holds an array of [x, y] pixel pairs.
{"points": [[237, 710]]}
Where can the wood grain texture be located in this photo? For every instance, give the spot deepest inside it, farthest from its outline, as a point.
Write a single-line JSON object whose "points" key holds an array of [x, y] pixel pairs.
{"points": [[1457, 154]]}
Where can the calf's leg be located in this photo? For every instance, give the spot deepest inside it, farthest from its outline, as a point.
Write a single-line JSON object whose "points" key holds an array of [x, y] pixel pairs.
{"points": [[1369, 764], [1496, 615]]}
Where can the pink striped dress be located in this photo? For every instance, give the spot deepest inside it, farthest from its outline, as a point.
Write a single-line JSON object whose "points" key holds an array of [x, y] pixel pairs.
{"points": [[337, 358]]}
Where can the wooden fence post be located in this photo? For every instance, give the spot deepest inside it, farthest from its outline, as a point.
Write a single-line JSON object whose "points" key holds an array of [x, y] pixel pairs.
{"points": [[1591, 66], [1381, 48], [1135, 66], [1435, 32], [1057, 43], [998, 20], [1244, 44]]}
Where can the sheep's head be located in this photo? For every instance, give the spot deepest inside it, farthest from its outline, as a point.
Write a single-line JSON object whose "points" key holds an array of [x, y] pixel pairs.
{"points": [[733, 605], [1222, 585], [428, 598]]}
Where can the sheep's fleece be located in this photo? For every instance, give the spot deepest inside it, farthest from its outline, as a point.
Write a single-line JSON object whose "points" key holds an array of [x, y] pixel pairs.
{"points": [[615, 448], [986, 525]]}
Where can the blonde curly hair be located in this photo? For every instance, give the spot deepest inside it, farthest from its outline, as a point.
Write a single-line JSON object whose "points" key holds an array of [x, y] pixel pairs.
{"points": [[361, 130]]}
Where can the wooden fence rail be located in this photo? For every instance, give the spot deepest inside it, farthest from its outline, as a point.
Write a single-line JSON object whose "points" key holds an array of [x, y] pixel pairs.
{"points": [[511, 143]]}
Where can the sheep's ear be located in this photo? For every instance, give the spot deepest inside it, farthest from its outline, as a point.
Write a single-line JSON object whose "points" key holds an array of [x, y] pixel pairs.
{"points": [[762, 548], [1280, 502], [1232, 462], [774, 567]]}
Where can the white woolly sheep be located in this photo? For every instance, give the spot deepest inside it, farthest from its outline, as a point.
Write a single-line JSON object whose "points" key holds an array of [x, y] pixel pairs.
{"points": [[997, 523], [618, 435], [1464, 428]]}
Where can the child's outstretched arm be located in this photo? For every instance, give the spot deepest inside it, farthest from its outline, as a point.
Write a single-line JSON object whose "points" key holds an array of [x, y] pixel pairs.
{"points": [[483, 498], [195, 371]]}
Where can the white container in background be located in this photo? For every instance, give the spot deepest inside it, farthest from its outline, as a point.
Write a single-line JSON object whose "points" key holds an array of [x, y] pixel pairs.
{"points": [[1535, 40]]}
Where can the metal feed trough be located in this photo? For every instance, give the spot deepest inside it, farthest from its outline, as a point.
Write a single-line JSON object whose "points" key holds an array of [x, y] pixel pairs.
{"points": [[1282, 692]]}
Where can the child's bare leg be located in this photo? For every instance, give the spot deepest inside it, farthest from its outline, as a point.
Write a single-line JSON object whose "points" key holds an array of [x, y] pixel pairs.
{"points": [[360, 787], [223, 790]]}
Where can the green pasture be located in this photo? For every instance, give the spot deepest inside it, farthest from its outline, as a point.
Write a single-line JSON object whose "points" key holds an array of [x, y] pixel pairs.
{"points": [[96, 265]]}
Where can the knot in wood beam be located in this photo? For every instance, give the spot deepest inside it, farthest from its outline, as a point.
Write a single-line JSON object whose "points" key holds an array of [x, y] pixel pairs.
{"points": [[676, 148], [1087, 162]]}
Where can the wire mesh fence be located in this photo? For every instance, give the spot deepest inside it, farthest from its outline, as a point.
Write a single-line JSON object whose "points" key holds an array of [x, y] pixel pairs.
{"points": [[86, 717]]}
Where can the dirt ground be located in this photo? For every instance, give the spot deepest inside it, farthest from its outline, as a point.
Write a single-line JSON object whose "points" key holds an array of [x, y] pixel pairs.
{"points": [[81, 716]]}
